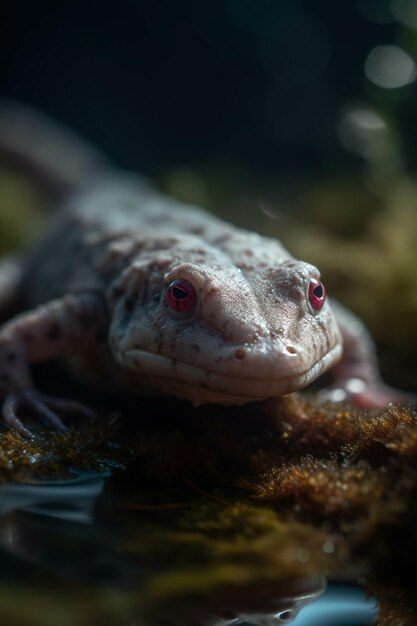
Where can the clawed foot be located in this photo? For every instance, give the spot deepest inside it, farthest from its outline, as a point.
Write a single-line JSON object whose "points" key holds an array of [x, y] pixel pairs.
{"points": [[45, 407], [370, 396]]}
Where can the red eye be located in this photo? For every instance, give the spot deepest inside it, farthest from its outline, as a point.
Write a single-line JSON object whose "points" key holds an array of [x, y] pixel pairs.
{"points": [[181, 296], [316, 294]]}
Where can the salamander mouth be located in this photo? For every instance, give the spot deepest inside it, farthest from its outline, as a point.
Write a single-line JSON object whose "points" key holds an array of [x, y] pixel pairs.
{"points": [[245, 385]]}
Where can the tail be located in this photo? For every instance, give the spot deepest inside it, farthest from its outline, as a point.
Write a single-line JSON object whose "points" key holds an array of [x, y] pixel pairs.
{"points": [[54, 156]]}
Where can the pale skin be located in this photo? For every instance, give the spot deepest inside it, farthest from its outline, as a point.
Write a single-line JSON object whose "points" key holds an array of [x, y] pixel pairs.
{"points": [[152, 296]]}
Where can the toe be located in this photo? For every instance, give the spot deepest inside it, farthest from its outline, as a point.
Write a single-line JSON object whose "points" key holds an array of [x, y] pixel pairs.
{"points": [[35, 401], [69, 407], [9, 411]]}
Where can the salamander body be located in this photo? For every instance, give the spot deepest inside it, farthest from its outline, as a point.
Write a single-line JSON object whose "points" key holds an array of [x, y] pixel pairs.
{"points": [[147, 294]]}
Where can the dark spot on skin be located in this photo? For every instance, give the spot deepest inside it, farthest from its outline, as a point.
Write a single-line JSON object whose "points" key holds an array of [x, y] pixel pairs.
{"points": [[212, 290], [248, 252], [113, 253], [223, 238], [240, 354], [199, 252], [199, 230], [54, 331], [156, 298], [196, 347]]}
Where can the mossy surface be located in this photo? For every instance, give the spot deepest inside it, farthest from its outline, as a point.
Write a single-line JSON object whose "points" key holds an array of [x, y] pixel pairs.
{"points": [[52, 455], [202, 502]]}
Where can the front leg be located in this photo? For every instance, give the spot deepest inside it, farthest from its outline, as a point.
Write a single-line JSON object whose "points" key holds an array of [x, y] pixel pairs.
{"points": [[72, 325], [356, 376]]}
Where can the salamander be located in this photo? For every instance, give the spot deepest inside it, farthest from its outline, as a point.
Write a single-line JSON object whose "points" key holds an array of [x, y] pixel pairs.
{"points": [[144, 294]]}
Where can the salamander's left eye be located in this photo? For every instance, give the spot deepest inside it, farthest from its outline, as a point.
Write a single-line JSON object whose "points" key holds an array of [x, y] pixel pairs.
{"points": [[181, 296], [316, 294]]}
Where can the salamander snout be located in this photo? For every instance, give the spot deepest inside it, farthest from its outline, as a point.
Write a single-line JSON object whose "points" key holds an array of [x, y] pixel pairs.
{"points": [[263, 359], [289, 349]]}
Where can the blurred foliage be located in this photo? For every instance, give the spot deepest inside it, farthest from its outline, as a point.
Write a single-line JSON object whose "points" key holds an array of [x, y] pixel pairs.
{"points": [[20, 210], [372, 270]]}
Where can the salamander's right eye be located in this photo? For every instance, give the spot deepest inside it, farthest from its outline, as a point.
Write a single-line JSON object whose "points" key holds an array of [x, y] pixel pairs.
{"points": [[316, 294], [181, 296]]}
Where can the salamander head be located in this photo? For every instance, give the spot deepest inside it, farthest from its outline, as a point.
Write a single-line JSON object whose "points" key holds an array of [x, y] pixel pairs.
{"points": [[212, 332]]}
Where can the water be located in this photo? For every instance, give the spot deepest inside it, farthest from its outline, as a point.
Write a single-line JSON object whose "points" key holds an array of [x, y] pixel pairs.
{"points": [[84, 550], [340, 605]]}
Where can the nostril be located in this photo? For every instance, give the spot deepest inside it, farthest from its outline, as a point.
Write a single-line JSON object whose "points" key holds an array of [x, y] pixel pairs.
{"points": [[240, 354], [291, 350]]}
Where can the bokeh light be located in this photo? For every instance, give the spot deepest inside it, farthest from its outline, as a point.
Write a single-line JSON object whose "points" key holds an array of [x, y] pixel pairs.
{"points": [[356, 128], [405, 11], [390, 67]]}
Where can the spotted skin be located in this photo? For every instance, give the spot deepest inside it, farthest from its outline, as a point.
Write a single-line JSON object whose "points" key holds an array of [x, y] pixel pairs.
{"points": [[94, 289]]}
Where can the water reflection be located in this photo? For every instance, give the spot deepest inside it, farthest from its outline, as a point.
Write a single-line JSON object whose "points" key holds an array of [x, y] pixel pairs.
{"points": [[341, 605], [100, 532], [71, 500], [51, 525]]}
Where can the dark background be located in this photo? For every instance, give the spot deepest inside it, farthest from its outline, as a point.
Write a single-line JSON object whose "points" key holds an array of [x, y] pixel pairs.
{"points": [[178, 82]]}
